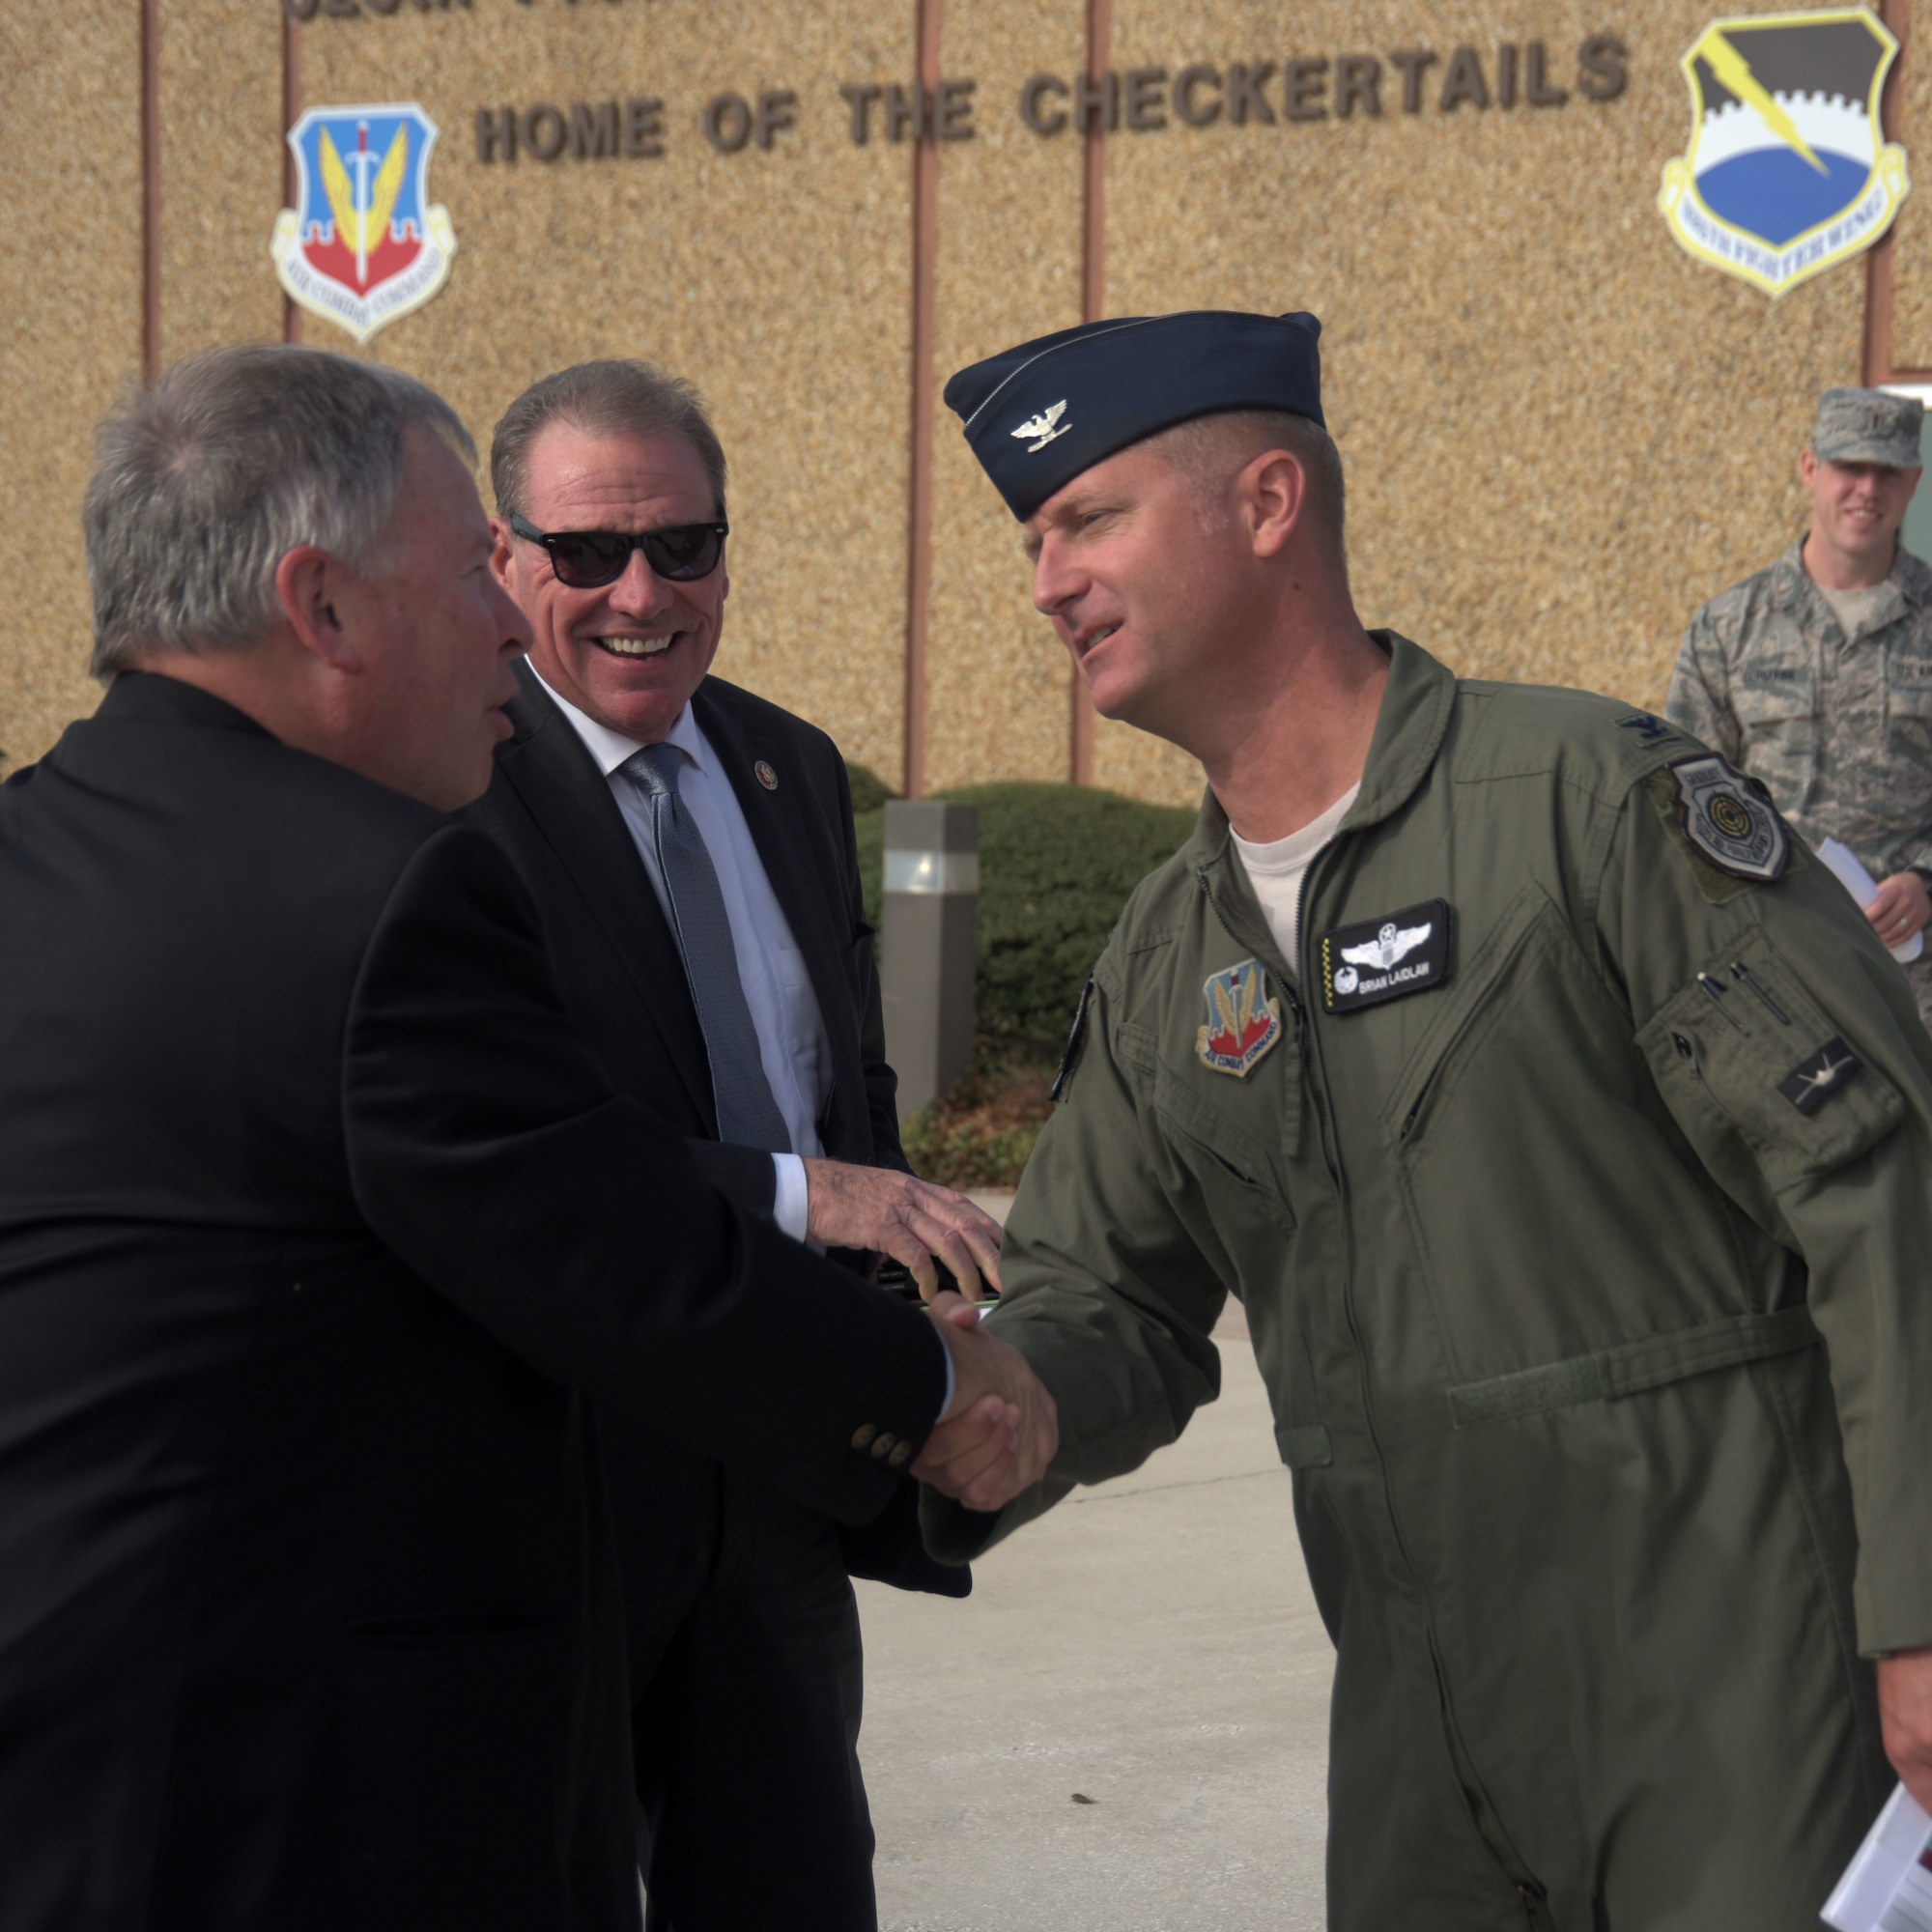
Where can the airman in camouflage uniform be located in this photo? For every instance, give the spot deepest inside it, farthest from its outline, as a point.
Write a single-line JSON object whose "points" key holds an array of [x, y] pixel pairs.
{"points": [[1815, 674]]}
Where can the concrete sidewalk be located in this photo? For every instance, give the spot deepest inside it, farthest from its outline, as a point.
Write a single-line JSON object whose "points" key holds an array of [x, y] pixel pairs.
{"points": [[1153, 1646]]}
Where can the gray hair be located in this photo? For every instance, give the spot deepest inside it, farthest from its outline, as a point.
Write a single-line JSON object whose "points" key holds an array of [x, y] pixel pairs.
{"points": [[205, 481], [1213, 447], [607, 398]]}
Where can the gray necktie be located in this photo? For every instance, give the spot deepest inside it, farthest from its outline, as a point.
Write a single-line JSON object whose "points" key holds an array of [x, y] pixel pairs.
{"points": [[747, 1114]]}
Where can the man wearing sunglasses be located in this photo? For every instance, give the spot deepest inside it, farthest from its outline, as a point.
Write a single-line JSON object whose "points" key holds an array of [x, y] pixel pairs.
{"points": [[691, 849], [321, 1227]]}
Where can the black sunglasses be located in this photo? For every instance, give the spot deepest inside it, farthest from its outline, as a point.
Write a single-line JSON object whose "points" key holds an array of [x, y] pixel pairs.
{"points": [[588, 560]]}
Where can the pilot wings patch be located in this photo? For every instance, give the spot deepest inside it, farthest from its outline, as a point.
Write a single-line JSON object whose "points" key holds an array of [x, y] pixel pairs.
{"points": [[1386, 958]]}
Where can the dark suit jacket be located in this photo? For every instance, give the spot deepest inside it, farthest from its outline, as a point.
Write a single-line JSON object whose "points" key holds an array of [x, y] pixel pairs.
{"points": [[623, 980], [318, 1218]]}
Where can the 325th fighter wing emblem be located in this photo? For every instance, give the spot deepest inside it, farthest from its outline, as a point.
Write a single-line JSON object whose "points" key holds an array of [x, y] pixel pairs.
{"points": [[1042, 426], [1788, 170], [1243, 1023]]}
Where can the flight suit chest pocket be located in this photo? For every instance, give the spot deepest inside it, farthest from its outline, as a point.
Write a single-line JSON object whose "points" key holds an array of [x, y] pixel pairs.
{"points": [[1233, 1131], [1760, 1058]]}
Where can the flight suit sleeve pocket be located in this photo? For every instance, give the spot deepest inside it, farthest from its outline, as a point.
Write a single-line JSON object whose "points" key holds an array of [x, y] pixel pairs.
{"points": [[1745, 1051]]}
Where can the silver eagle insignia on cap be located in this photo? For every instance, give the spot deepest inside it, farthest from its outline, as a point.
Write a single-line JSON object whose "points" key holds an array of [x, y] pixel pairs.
{"points": [[1042, 426]]}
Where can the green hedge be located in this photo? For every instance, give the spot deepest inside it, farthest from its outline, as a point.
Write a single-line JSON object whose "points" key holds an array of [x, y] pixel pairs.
{"points": [[1057, 863]]}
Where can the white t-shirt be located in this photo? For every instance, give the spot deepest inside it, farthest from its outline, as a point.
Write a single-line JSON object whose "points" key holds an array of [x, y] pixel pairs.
{"points": [[1853, 608], [1277, 869]]}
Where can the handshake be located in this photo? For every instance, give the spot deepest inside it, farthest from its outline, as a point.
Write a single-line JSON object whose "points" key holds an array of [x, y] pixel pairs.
{"points": [[1000, 1429]]}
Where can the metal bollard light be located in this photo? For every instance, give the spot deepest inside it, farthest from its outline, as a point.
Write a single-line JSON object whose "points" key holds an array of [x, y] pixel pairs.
{"points": [[928, 946]]}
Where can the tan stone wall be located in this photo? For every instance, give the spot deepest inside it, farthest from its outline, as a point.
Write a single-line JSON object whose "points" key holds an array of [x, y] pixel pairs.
{"points": [[1009, 268], [1911, 231], [221, 172], [1562, 433], [71, 257]]}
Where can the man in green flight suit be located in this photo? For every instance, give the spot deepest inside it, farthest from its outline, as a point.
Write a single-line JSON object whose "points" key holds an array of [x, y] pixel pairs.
{"points": [[1565, 1132]]}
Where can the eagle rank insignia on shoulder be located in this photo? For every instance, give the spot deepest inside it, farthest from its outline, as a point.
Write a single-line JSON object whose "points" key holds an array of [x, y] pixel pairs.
{"points": [[1243, 1023], [1387, 959], [1730, 819]]}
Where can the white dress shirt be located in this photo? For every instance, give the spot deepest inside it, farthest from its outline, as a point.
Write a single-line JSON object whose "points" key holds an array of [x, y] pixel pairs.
{"points": [[792, 1043]]}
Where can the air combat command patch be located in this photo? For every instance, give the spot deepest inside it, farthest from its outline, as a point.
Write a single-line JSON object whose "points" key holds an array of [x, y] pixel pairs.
{"points": [[1243, 1023], [1730, 819], [365, 242]]}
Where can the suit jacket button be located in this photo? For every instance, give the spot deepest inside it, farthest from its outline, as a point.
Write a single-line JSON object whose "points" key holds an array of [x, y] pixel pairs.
{"points": [[862, 1436], [900, 1455], [883, 1446]]}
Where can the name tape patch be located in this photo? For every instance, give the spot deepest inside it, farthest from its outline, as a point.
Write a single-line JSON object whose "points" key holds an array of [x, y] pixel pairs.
{"points": [[1387, 959]]}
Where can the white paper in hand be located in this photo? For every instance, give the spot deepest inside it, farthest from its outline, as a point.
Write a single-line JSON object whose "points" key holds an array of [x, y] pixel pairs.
{"points": [[1864, 888], [1887, 1885]]}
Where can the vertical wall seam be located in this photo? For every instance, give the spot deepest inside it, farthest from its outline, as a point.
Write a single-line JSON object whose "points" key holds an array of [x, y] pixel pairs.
{"points": [[919, 493], [292, 108], [1880, 276], [151, 189], [1080, 720]]}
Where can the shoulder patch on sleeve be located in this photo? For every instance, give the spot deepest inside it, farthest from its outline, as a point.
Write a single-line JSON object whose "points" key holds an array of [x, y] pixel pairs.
{"points": [[1730, 818], [1076, 1033], [1710, 815]]}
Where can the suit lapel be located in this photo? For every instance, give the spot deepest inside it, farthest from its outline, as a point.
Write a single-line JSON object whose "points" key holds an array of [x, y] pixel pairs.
{"points": [[812, 900], [570, 800]]}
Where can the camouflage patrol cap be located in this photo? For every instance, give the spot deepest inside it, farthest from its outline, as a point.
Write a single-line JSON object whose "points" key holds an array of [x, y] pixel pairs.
{"points": [[1868, 426]]}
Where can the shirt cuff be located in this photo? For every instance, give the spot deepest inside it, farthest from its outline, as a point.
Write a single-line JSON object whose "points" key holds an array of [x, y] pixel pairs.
{"points": [[788, 1196], [789, 1211]]}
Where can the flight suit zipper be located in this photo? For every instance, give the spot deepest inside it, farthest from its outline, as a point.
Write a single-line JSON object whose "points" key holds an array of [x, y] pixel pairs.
{"points": [[1481, 1806]]}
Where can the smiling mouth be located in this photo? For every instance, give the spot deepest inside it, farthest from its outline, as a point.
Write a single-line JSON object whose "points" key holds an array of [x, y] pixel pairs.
{"points": [[636, 648], [1085, 645]]}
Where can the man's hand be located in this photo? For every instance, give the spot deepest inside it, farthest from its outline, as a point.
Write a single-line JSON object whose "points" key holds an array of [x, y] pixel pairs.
{"points": [[891, 1213], [1905, 1718], [1902, 908], [1002, 1429]]}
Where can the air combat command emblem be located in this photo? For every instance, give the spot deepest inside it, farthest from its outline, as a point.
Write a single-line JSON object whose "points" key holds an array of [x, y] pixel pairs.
{"points": [[364, 244], [1243, 1021], [1788, 170]]}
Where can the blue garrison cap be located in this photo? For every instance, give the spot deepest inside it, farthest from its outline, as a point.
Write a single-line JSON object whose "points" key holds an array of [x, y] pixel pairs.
{"points": [[1037, 415]]}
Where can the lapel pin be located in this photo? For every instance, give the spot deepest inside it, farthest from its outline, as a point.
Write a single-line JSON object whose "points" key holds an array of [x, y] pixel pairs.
{"points": [[767, 777]]}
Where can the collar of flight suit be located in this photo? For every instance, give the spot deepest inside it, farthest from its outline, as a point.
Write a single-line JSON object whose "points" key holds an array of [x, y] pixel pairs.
{"points": [[1416, 702]]}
